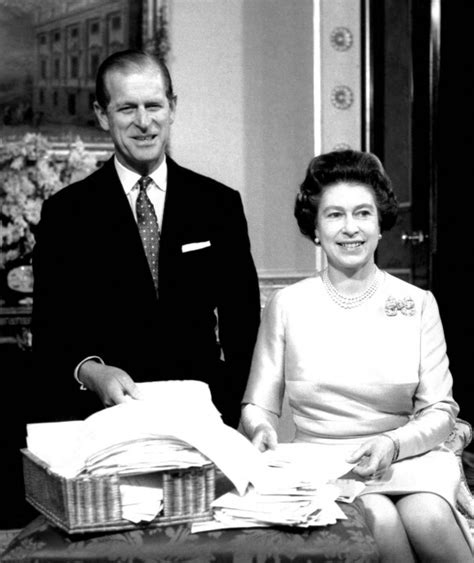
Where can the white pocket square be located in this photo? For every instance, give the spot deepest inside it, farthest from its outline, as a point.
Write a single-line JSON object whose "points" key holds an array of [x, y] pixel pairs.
{"points": [[195, 246]]}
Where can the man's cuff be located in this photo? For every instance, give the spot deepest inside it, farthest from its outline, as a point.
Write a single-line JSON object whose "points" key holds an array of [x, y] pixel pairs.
{"points": [[78, 367]]}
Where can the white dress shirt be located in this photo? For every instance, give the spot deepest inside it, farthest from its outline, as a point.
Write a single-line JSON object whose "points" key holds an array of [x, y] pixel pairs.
{"points": [[156, 191]]}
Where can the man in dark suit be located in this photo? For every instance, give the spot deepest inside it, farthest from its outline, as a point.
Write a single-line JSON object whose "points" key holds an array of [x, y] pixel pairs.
{"points": [[143, 270]]}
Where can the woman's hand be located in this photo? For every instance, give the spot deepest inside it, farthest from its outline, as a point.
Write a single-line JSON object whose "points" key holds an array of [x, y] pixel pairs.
{"points": [[259, 426], [264, 438], [373, 457]]}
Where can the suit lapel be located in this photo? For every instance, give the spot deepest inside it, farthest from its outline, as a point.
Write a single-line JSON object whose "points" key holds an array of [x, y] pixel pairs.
{"points": [[174, 208]]}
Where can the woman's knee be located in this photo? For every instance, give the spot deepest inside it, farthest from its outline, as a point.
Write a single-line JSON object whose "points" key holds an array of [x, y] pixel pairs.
{"points": [[426, 510], [387, 528], [380, 510], [433, 529]]}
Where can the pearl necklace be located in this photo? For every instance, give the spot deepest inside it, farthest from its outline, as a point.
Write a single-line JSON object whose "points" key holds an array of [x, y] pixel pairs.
{"points": [[357, 300]]}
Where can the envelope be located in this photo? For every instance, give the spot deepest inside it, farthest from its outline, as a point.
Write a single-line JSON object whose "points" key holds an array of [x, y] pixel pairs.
{"points": [[195, 246]]}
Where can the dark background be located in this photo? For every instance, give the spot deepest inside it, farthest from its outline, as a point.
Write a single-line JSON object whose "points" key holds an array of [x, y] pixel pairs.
{"points": [[454, 260]]}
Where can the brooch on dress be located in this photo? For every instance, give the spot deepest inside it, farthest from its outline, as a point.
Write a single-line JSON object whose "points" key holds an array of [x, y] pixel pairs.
{"points": [[406, 306]]}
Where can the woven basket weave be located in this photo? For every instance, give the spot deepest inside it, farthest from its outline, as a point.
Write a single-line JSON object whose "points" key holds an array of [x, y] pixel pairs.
{"points": [[93, 504]]}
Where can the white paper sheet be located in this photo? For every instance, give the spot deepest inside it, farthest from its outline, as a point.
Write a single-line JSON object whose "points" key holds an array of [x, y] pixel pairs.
{"points": [[141, 497], [127, 434]]}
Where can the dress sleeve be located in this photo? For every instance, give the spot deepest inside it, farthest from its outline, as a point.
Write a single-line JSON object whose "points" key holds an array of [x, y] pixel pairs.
{"points": [[434, 409], [266, 385]]}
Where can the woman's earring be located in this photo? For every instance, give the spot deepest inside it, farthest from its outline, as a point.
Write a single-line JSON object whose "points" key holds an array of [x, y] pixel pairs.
{"points": [[380, 236], [316, 241]]}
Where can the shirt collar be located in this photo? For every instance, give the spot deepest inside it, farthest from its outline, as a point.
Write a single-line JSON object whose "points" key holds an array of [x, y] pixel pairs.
{"points": [[128, 178]]}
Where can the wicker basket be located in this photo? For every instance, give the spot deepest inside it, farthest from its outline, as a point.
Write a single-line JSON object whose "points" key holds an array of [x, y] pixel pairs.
{"points": [[93, 504]]}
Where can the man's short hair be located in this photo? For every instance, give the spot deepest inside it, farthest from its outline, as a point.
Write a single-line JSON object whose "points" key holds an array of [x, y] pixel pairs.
{"points": [[124, 61]]}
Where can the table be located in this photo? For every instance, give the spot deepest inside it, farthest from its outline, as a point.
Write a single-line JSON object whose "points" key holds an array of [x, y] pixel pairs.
{"points": [[347, 540]]}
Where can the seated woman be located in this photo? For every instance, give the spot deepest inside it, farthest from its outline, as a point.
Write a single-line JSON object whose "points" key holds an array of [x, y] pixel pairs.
{"points": [[363, 359]]}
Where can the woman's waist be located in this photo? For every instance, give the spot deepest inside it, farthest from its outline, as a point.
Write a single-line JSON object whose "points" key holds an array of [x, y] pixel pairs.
{"points": [[339, 429]]}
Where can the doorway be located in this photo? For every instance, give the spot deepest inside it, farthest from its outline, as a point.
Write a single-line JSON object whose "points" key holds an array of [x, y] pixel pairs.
{"points": [[454, 259], [420, 122], [402, 52]]}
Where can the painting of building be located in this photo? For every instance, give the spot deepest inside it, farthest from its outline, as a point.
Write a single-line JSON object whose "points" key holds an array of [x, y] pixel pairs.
{"points": [[49, 81], [72, 38]]}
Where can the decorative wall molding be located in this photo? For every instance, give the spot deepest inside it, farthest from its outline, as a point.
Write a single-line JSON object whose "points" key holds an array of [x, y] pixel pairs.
{"points": [[339, 53], [341, 38], [342, 97]]}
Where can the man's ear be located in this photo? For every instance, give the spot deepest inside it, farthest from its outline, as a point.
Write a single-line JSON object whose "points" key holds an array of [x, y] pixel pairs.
{"points": [[101, 115], [173, 103]]}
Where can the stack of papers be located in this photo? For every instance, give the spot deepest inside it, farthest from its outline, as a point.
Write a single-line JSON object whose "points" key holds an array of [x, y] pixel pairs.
{"points": [[254, 509], [143, 456], [173, 425], [300, 487]]}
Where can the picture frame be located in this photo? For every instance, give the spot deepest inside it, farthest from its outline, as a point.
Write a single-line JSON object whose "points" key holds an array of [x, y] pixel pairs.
{"points": [[51, 50]]}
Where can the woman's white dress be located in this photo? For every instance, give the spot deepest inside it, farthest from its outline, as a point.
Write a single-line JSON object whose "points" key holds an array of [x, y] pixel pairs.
{"points": [[351, 374]]}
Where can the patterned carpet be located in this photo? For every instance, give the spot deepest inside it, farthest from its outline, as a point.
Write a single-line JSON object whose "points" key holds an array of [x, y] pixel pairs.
{"points": [[468, 462], [6, 537]]}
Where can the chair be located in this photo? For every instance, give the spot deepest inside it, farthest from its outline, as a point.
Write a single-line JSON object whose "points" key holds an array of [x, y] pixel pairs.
{"points": [[458, 440]]}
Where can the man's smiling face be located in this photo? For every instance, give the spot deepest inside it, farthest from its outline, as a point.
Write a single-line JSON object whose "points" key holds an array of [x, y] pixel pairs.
{"points": [[138, 117]]}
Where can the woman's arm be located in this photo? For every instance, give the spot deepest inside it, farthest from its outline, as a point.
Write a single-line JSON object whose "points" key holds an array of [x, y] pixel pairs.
{"points": [[434, 409], [261, 404], [259, 425]]}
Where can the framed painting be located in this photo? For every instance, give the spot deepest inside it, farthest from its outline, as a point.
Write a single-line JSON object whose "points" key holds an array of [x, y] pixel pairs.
{"points": [[51, 50]]}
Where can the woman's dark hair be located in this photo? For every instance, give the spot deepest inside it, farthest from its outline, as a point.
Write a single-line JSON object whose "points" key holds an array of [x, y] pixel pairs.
{"points": [[344, 166], [125, 61]]}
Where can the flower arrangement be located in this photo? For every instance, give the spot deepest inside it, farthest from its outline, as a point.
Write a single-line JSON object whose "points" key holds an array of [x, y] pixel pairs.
{"points": [[30, 172]]}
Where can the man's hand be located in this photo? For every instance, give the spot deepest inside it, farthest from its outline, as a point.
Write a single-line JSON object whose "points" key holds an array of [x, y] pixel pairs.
{"points": [[373, 457], [113, 385], [264, 438]]}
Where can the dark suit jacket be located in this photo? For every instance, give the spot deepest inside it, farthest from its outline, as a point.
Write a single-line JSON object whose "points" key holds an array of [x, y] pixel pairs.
{"points": [[94, 293]]}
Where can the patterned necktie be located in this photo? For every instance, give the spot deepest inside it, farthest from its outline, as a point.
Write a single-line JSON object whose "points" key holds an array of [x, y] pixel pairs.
{"points": [[148, 227]]}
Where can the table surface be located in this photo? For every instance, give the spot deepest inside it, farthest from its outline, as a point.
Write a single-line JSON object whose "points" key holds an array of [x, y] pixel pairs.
{"points": [[347, 540]]}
